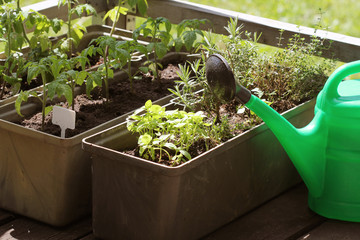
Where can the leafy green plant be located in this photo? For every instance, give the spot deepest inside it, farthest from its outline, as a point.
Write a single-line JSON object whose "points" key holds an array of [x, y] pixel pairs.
{"points": [[283, 79], [133, 47], [73, 74], [293, 74], [187, 32], [167, 135], [159, 31], [74, 31], [13, 34], [54, 66], [114, 57], [116, 54], [191, 76]]}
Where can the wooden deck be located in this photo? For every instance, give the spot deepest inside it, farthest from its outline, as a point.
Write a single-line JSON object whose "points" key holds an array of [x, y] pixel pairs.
{"points": [[285, 217]]}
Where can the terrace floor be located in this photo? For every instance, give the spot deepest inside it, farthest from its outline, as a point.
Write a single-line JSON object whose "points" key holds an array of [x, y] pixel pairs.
{"points": [[284, 217]]}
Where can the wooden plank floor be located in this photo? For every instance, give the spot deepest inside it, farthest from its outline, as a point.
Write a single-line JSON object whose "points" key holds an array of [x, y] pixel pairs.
{"points": [[285, 217]]}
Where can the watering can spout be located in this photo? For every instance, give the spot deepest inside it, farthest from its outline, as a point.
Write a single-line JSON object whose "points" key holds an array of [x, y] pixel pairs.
{"points": [[304, 146]]}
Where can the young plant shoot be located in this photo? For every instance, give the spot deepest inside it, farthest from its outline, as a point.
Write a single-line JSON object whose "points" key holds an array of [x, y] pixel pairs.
{"points": [[51, 65]]}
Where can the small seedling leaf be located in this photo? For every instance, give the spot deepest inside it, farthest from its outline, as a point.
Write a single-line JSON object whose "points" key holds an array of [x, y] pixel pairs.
{"points": [[145, 139], [186, 154]]}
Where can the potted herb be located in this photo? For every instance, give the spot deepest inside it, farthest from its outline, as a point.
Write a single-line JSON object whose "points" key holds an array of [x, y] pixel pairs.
{"points": [[146, 185]]}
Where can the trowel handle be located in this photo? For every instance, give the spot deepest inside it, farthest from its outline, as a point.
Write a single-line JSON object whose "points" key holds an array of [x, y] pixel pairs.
{"points": [[331, 86]]}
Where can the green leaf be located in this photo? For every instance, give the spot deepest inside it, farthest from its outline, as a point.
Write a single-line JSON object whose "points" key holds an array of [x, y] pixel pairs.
{"points": [[186, 154], [48, 109], [145, 139], [189, 39], [142, 6], [148, 104], [178, 44], [81, 76], [22, 97], [170, 146], [144, 69], [161, 49], [33, 72], [56, 24], [155, 108], [113, 12], [61, 89]]}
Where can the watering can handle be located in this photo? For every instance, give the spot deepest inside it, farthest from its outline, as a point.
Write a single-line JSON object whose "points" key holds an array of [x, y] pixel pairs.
{"points": [[331, 86]]}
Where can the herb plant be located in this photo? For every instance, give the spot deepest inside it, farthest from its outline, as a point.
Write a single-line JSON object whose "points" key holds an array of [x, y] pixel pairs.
{"points": [[167, 135], [294, 74]]}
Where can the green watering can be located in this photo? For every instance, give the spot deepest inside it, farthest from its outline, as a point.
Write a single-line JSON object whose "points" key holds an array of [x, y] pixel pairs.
{"points": [[326, 152]]}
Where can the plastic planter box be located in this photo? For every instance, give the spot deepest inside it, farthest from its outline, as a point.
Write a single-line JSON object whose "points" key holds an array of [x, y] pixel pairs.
{"points": [[137, 199], [45, 177]]}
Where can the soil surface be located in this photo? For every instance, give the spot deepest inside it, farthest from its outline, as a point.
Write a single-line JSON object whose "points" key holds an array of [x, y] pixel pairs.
{"points": [[94, 111], [8, 91]]}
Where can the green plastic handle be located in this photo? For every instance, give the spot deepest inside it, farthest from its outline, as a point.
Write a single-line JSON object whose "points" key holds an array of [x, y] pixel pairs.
{"points": [[331, 86]]}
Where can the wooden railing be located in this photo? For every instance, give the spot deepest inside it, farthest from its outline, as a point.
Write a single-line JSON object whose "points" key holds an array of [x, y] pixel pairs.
{"points": [[343, 48]]}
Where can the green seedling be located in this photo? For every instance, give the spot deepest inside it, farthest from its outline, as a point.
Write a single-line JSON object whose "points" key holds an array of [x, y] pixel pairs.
{"points": [[13, 21], [52, 65], [167, 134], [187, 32], [116, 54], [159, 31], [71, 76], [133, 47], [115, 57], [75, 31]]}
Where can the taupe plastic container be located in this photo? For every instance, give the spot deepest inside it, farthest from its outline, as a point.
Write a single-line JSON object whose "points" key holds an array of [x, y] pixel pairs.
{"points": [[137, 199], [45, 177], [42, 176]]}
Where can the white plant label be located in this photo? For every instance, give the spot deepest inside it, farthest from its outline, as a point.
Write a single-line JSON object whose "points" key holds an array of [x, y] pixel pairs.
{"points": [[63, 117]]}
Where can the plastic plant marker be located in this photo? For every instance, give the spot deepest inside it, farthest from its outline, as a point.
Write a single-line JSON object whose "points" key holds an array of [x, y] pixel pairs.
{"points": [[63, 117]]}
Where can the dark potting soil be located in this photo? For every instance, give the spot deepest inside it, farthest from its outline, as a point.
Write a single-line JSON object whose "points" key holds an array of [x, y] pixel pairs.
{"points": [[8, 91], [92, 112]]}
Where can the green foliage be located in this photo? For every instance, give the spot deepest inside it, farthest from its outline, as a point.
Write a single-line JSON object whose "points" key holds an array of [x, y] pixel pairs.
{"points": [[294, 74], [167, 135], [283, 79], [187, 32], [75, 31], [13, 21], [159, 30], [64, 80], [185, 88]]}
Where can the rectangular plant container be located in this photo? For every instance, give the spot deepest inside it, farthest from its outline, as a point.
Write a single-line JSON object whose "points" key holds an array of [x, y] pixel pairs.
{"points": [[138, 199], [46, 177], [42, 176]]}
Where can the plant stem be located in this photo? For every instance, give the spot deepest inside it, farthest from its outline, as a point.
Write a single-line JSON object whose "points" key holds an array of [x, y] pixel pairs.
{"points": [[2, 89], [130, 76], [69, 29], [8, 53], [155, 57], [106, 54], [44, 98], [73, 95], [22, 25]]}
